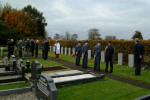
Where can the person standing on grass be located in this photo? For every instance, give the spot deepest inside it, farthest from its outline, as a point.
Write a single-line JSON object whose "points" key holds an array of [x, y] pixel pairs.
{"points": [[57, 49], [46, 46], [85, 55], [97, 57], [10, 48], [20, 49], [36, 48], [32, 46], [138, 55], [109, 52], [43, 49], [78, 53]]}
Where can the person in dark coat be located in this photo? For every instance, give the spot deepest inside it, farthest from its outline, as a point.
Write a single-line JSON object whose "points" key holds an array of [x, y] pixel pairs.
{"points": [[78, 53], [32, 44], [27, 44], [36, 48], [10, 48], [20, 48], [43, 49], [46, 49], [97, 57], [85, 55], [138, 56], [109, 52]]}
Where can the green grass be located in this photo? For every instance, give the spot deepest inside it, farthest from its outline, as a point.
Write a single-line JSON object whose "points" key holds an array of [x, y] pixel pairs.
{"points": [[124, 70], [46, 63], [106, 89], [13, 86]]}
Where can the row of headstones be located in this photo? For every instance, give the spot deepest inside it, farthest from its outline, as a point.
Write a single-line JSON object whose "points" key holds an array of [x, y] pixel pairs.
{"points": [[120, 55]]}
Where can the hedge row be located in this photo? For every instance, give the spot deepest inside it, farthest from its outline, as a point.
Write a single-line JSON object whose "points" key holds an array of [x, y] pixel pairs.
{"points": [[124, 46]]}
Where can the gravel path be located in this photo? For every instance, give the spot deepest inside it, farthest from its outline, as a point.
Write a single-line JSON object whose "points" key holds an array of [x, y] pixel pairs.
{"points": [[24, 96]]}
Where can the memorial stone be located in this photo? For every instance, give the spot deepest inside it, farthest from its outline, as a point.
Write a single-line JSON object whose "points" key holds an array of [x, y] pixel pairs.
{"points": [[62, 50], [102, 56], [65, 51], [130, 60], [69, 51], [120, 58], [89, 54]]}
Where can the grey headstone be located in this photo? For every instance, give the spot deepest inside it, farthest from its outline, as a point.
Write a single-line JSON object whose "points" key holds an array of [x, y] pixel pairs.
{"points": [[62, 50], [89, 54], [65, 51], [130, 60], [102, 56], [46, 89], [73, 50], [54, 49], [50, 48], [120, 58], [69, 51]]}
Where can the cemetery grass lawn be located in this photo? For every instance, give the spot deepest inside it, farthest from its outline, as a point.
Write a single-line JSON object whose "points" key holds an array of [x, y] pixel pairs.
{"points": [[13, 86], [46, 63], [123, 70], [106, 89]]}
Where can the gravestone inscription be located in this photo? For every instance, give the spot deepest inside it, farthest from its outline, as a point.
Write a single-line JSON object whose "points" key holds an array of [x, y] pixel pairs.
{"points": [[46, 89]]}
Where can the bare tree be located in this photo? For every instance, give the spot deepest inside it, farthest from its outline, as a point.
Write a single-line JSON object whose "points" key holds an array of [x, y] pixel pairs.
{"points": [[94, 34], [74, 37]]}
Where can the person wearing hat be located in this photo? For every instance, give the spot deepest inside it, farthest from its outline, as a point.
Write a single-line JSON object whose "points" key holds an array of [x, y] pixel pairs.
{"points": [[78, 53], [138, 55], [97, 57], [85, 55]]}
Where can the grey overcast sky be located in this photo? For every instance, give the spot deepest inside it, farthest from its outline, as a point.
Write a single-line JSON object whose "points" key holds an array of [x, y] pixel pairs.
{"points": [[112, 17]]}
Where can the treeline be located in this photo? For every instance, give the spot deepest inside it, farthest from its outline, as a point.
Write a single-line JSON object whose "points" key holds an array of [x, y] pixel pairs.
{"points": [[18, 24]]}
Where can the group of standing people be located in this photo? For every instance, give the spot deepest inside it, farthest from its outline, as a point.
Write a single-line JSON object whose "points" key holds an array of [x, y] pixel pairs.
{"points": [[30, 46], [109, 52], [138, 50], [45, 49]]}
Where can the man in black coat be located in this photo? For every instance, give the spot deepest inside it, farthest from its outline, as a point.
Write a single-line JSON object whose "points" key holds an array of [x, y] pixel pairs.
{"points": [[138, 56], [109, 52], [46, 46], [36, 48], [78, 53], [85, 55], [32, 47], [10, 48], [97, 57], [43, 49]]}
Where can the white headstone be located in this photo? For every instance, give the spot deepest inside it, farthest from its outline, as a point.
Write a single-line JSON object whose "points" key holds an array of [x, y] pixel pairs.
{"points": [[102, 56], [73, 50], [65, 51], [54, 49], [50, 48], [130, 60], [69, 51], [62, 50], [120, 58], [89, 54], [1, 51]]}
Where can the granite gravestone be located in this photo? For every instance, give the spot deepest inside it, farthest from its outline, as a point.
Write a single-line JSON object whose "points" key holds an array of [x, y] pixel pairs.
{"points": [[102, 56], [130, 60], [62, 50], [65, 51], [46, 89], [50, 48], [89, 54], [69, 51], [120, 58], [20, 68]]}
